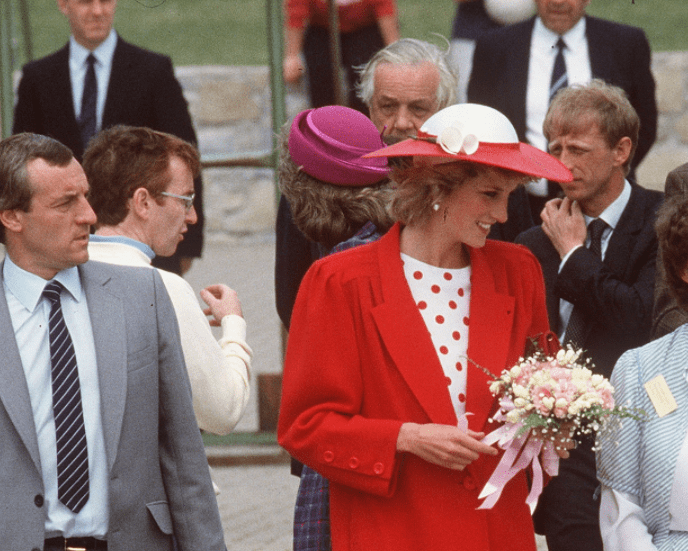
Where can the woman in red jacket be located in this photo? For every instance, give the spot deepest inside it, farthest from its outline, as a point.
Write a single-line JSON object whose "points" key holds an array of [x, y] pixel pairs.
{"points": [[380, 366]]}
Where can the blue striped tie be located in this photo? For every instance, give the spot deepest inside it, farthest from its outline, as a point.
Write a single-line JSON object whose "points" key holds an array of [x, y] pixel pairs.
{"points": [[559, 78], [70, 433]]}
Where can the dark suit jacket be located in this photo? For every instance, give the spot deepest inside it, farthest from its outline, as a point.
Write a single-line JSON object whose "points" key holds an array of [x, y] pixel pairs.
{"points": [[142, 91], [668, 315], [617, 294], [158, 472], [619, 54]]}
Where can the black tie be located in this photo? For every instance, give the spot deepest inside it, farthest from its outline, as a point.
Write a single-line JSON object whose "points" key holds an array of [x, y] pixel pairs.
{"points": [[559, 78], [87, 122], [575, 331], [70, 433]]}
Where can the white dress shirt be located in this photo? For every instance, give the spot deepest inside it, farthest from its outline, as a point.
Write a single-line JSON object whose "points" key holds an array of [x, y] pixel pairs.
{"points": [[543, 52], [103, 67], [611, 215], [29, 312]]}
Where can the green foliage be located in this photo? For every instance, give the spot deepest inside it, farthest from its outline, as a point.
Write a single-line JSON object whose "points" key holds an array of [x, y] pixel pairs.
{"points": [[234, 32]]}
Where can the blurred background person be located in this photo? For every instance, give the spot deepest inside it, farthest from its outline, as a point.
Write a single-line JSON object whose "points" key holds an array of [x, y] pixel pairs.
{"points": [[518, 70], [98, 80], [402, 85], [642, 464], [365, 26], [376, 377]]}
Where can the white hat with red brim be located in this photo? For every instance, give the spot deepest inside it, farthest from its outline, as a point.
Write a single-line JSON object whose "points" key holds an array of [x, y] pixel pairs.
{"points": [[477, 134]]}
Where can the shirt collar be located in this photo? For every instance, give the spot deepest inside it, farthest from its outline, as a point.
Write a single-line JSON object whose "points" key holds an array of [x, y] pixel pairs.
{"points": [[28, 287], [145, 249], [612, 214], [572, 38], [103, 53]]}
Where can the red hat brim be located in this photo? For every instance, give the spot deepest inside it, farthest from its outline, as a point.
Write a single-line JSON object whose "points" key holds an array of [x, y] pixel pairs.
{"points": [[519, 157]]}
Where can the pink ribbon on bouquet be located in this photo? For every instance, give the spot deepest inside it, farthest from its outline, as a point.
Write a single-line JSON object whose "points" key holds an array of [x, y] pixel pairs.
{"points": [[519, 452]]}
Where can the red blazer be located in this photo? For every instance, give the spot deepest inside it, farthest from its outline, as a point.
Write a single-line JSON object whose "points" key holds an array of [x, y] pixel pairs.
{"points": [[360, 362]]}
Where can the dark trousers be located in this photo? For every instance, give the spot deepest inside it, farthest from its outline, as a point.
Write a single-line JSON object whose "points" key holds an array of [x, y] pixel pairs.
{"points": [[357, 48], [568, 512]]}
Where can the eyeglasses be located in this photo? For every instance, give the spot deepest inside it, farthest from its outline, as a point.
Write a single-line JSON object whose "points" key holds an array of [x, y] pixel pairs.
{"points": [[188, 199]]}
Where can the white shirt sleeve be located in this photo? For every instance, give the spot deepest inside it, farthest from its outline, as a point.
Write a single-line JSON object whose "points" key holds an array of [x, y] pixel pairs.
{"points": [[219, 371], [622, 522]]}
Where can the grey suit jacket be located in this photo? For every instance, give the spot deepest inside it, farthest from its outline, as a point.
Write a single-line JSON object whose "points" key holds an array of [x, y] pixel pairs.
{"points": [[667, 314], [159, 480]]}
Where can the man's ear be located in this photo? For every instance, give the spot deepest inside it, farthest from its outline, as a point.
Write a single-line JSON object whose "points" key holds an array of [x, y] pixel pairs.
{"points": [[141, 203], [622, 151], [12, 220]]}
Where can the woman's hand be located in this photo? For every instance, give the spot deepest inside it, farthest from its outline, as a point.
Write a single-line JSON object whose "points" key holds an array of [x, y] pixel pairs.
{"points": [[442, 445]]}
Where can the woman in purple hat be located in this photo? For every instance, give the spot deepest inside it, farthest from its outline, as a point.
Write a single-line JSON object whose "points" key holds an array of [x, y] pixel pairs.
{"points": [[377, 377], [338, 200]]}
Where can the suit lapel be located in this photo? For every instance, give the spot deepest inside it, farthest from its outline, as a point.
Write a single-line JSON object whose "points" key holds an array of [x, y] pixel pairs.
{"points": [[405, 336], [408, 341], [619, 253], [122, 85], [61, 100], [518, 67], [14, 392], [490, 325], [597, 50], [109, 336]]}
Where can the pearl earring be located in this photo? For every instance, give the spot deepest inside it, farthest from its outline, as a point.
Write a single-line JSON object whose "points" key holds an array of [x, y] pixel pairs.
{"points": [[436, 207]]}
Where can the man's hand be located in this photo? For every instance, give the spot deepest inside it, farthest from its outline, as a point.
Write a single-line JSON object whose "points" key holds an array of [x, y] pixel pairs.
{"points": [[293, 69], [442, 445], [222, 301], [564, 224]]}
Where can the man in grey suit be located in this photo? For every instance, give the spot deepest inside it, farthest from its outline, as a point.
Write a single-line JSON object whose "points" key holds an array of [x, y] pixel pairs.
{"points": [[99, 447]]}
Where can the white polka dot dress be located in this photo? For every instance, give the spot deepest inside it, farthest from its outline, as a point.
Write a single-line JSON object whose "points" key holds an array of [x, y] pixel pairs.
{"points": [[443, 299]]}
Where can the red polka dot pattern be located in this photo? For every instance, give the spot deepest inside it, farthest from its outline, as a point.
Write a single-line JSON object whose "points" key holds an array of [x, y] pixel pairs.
{"points": [[442, 296]]}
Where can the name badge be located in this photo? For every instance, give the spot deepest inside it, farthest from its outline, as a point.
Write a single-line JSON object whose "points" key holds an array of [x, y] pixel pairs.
{"points": [[660, 396]]}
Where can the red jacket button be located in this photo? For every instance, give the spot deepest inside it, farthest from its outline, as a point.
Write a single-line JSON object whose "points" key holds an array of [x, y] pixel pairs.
{"points": [[378, 468], [329, 456]]}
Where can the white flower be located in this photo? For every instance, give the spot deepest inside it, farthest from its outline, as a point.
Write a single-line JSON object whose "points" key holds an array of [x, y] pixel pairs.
{"points": [[520, 391], [521, 403], [514, 416], [454, 140]]}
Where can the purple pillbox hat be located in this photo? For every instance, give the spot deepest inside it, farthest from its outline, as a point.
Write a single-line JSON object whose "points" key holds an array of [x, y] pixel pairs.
{"points": [[329, 142]]}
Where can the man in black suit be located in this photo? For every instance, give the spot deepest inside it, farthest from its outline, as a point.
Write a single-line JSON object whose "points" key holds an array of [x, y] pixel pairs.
{"points": [[597, 248], [131, 86], [513, 69]]}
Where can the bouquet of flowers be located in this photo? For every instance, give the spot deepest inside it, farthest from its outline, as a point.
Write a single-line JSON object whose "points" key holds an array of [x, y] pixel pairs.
{"points": [[543, 402]]}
